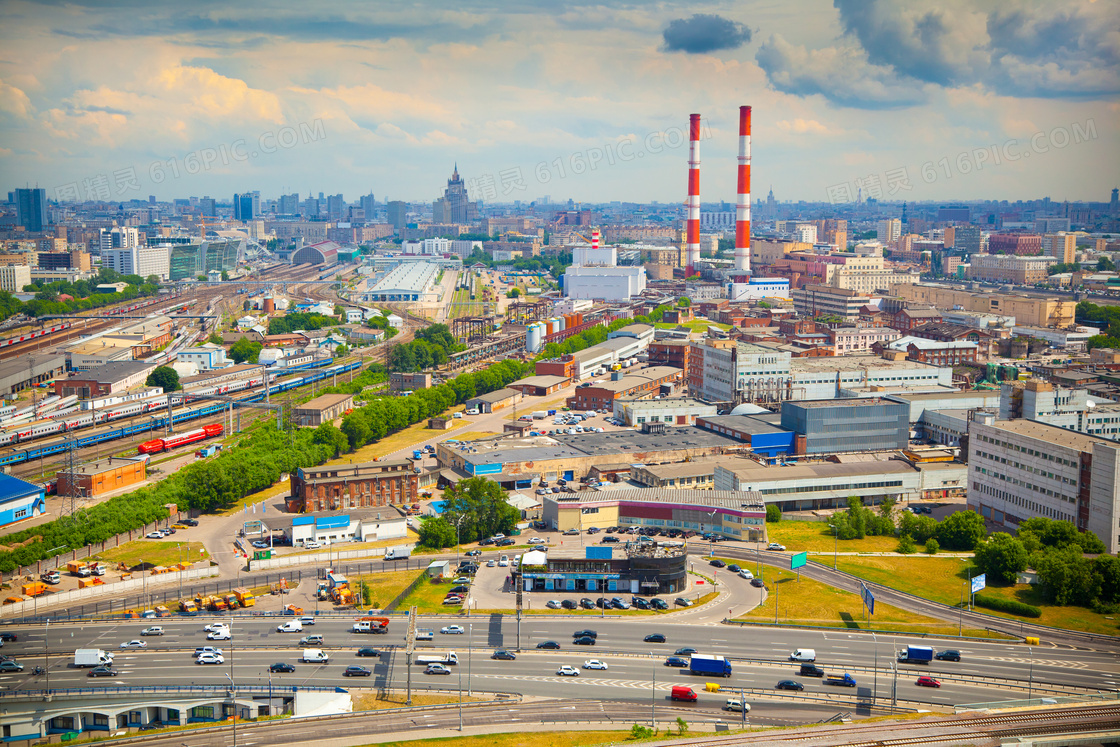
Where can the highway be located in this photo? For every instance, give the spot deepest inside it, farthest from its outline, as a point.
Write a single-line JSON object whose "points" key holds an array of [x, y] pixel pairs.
{"points": [[988, 670]]}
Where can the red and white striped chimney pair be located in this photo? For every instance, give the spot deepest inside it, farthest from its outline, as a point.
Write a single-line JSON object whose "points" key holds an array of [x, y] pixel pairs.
{"points": [[743, 200]]}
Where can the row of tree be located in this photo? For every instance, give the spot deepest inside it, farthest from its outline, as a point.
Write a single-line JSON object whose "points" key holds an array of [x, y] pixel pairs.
{"points": [[283, 325], [48, 297], [432, 347], [209, 485], [1056, 550], [598, 334]]}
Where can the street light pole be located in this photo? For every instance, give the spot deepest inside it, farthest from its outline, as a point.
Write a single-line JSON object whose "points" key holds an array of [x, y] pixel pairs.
{"points": [[470, 632], [47, 652], [460, 673], [653, 695], [233, 693]]}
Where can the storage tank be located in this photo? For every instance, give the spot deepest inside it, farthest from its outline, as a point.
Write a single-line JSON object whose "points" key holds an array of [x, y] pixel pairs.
{"points": [[550, 326], [562, 323], [533, 338], [269, 305]]}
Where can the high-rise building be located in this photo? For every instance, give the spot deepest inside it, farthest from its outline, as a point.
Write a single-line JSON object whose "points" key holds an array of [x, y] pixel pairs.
{"points": [[368, 204], [336, 206], [397, 213], [461, 209], [289, 204], [208, 206], [243, 207], [966, 239], [311, 208], [31, 208], [441, 211], [954, 213], [119, 237], [1021, 244], [1060, 245], [14, 277], [889, 230]]}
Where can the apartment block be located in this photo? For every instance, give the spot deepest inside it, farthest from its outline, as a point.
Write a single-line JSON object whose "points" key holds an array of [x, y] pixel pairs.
{"points": [[1007, 268]]}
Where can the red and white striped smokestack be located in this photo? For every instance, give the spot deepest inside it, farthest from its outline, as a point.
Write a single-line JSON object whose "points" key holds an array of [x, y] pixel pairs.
{"points": [[692, 239], [595, 240], [743, 201]]}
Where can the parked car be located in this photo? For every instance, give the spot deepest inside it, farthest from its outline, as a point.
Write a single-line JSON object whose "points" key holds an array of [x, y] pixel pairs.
{"points": [[654, 638], [757, 583], [682, 602], [716, 563], [776, 546], [619, 603], [553, 604], [281, 667], [639, 603], [658, 604], [744, 573], [587, 604], [453, 599]]}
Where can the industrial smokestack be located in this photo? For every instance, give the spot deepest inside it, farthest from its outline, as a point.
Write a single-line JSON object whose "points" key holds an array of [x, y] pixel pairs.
{"points": [[743, 201], [595, 240], [692, 239]]}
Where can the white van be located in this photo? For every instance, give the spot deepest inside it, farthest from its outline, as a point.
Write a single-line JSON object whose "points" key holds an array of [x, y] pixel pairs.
{"points": [[503, 561], [291, 626], [314, 656], [803, 654]]}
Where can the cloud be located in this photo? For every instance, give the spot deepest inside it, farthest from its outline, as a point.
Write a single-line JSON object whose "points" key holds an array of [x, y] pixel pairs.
{"points": [[943, 46], [842, 75], [703, 33], [14, 101], [802, 126]]}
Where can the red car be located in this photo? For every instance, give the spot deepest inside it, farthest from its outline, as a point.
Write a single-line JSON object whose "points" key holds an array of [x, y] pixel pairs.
{"points": [[928, 682]]}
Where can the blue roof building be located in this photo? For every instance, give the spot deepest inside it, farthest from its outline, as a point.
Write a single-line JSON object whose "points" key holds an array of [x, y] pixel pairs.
{"points": [[20, 500]]}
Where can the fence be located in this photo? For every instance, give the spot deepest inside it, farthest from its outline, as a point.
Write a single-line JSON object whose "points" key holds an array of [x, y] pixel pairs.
{"points": [[81, 596], [329, 557]]}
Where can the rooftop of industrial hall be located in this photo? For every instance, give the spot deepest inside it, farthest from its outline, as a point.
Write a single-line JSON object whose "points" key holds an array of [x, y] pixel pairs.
{"points": [[592, 444]]}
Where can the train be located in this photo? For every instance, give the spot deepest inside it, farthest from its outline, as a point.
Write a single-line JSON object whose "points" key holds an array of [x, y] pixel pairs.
{"points": [[157, 420], [156, 445]]}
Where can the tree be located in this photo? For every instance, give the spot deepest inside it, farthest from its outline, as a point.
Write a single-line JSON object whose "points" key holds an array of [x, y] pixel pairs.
{"points": [[436, 532], [1065, 576], [245, 350], [684, 302], [480, 507], [214, 339], [225, 275], [166, 378], [152, 280], [1001, 557], [773, 513], [1104, 264], [513, 293], [962, 530], [339, 310], [331, 437]]}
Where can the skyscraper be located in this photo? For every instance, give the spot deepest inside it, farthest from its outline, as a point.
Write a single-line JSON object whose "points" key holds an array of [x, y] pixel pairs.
{"points": [[207, 206], [243, 206], [367, 204], [335, 207], [289, 204], [460, 208], [31, 208], [397, 213], [889, 230]]}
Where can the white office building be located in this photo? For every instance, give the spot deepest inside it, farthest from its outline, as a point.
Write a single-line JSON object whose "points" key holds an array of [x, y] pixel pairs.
{"points": [[139, 260], [1021, 468]]}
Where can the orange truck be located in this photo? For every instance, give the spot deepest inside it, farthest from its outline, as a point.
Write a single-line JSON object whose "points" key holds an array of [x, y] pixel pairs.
{"points": [[245, 597], [35, 588]]}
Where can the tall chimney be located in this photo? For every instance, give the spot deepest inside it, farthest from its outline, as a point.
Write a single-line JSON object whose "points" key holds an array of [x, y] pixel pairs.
{"points": [[692, 255], [595, 240], [743, 201]]}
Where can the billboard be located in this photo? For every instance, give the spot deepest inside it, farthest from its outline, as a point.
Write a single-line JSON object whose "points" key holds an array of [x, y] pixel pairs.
{"points": [[979, 582], [868, 598], [798, 560]]}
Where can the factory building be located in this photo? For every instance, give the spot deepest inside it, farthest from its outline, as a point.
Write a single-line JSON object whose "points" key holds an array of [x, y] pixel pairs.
{"points": [[365, 485], [604, 283], [410, 281]]}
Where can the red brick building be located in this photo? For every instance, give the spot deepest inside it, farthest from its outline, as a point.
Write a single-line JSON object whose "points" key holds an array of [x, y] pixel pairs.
{"points": [[643, 384], [1019, 244], [341, 486], [907, 319], [669, 353]]}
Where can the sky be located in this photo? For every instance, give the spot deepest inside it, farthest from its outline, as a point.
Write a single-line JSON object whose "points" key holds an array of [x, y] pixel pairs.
{"points": [[946, 100]]}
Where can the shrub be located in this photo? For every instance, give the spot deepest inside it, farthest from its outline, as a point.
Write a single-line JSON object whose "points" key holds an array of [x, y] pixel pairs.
{"points": [[932, 547], [637, 731], [1007, 605], [906, 545], [773, 514]]}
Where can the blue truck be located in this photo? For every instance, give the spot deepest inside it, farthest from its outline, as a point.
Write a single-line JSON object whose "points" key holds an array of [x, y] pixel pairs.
{"points": [[915, 655], [846, 680], [710, 665]]}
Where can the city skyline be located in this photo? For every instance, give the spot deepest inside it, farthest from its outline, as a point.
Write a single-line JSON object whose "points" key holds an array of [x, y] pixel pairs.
{"points": [[905, 101]]}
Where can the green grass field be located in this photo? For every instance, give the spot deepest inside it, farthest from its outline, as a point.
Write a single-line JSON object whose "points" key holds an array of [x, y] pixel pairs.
{"points": [[816, 536], [811, 602], [696, 325], [943, 580], [155, 552]]}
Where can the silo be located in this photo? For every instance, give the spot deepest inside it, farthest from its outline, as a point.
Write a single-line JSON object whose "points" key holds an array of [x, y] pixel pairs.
{"points": [[269, 304], [533, 338], [562, 322]]}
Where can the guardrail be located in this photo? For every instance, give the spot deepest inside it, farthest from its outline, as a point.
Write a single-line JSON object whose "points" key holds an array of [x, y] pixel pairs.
{"points": [[285, 561], [829, 628]]}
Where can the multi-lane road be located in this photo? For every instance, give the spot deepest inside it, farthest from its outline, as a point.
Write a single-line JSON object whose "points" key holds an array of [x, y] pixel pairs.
{"points": [[987, 671]]}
